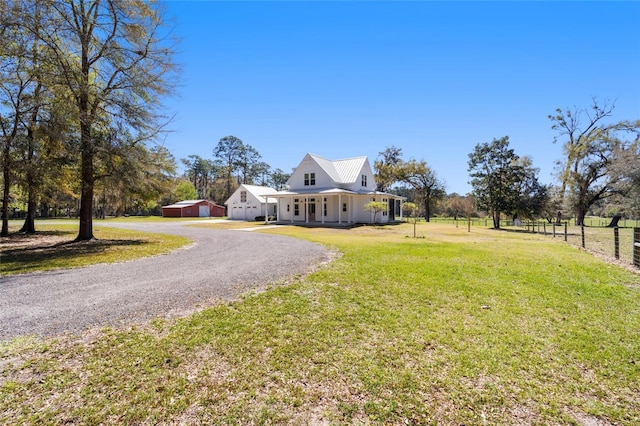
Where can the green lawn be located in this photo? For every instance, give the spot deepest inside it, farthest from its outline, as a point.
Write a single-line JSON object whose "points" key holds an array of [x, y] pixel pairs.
{"points": [[486, 327], [53, 247]]}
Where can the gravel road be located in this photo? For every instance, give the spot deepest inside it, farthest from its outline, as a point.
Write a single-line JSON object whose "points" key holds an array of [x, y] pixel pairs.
{"points": [[220, 265]]}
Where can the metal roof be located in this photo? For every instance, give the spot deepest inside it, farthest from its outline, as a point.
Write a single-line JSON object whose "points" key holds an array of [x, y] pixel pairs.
{"points": [[260, 192], [341, 171], [188, 203]]}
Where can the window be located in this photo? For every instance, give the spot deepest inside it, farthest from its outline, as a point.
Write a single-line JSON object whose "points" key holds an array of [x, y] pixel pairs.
{"points": [[324, 208], [309, 179], [364, 180], [288, 208], [296, 208], [344, 207], [243, 196]]}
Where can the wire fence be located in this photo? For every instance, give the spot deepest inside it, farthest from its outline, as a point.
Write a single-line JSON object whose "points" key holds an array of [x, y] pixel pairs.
{"points": [[616, 242], [622, 242]]}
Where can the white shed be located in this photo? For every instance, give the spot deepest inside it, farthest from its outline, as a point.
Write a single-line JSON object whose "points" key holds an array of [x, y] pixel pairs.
{"points": [[250, 201]]}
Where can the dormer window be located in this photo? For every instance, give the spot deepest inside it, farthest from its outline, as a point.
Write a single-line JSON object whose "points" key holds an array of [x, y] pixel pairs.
{"points": [[364, 180], [309, 179]]}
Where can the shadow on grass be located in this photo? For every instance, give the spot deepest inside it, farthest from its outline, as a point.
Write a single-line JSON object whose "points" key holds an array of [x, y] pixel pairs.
{"points": [[60, 254]]}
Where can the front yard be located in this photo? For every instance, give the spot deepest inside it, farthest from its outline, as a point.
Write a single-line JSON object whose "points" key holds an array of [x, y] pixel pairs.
{"points": [[455, 327]]}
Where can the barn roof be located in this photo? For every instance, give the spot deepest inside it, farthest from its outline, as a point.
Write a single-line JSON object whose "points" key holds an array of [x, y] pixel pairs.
{"points": [[187, 203]]}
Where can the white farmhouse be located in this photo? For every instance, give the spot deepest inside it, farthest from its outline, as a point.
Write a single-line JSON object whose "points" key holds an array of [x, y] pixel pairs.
{"points": [[250, 201], [322, 191]]}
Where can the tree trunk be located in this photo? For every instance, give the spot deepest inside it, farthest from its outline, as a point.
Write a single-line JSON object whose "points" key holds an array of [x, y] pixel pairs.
{"points": [[581, 212], [6, 178], [614, 221], [559, 218], [5, 199], [427, 210], [85, 232], [496, 220], [29, 226]]}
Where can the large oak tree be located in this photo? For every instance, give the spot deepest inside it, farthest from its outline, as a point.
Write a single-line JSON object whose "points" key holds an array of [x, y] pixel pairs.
{"points": [[116, 62], [591, 147]]}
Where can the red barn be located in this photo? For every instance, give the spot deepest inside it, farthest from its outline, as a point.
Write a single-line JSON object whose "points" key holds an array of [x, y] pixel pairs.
{"points": [[193, 208]]}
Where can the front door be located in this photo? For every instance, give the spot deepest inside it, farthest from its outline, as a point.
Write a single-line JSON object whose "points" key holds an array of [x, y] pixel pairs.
{"points": [[312, 210]]}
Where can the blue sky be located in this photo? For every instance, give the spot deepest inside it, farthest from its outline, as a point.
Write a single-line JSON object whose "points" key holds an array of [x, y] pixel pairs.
{"points": [[345, 79]]}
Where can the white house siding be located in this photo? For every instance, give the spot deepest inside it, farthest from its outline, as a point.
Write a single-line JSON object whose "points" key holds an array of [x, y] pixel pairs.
{"points": [[338, 182], [355, 206], [252, 204]]}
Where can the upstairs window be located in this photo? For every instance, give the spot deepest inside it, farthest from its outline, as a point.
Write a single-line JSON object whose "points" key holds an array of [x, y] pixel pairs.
{"points": [[309, 179], [364, 180], [243, 196]]}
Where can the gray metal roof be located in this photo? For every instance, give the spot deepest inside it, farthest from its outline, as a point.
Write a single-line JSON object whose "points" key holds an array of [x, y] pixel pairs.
{"points": [[341, 171]]}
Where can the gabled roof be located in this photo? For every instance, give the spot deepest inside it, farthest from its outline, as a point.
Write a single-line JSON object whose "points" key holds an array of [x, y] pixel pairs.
{"points": [[187, 203], [341, 171], [260, 192]]}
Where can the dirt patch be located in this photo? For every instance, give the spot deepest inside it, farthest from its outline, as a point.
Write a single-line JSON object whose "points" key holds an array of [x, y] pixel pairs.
{"points": [[42, 239]]}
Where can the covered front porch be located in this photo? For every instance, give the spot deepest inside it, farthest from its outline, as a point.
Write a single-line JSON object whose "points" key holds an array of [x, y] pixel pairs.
{"points": [[335, 206]]}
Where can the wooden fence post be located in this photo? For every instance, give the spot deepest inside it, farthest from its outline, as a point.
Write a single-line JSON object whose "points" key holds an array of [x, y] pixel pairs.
{"points": [[582, 230], [636, 247], [565, 231], [616, 242]]}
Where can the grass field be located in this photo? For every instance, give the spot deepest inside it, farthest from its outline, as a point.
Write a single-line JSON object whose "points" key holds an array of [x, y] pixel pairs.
{"points": [[454, 327]]}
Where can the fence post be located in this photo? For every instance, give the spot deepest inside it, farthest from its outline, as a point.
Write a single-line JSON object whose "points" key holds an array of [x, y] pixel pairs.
{"points": [[582, 230], [616, 242], [636, 247], [544, 226], [554, 229], [565, 231]]}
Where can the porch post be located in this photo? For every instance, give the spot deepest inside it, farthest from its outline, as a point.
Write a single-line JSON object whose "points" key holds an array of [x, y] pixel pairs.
{"points": [[291, 208], [350, 208], [339, 209], [306, 210]]}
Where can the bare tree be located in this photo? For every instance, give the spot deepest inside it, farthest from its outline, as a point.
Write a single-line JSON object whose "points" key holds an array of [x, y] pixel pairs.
{"points": [[589, 148]]}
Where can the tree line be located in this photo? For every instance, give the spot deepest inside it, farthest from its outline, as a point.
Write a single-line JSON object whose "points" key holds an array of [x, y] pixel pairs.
{"points": [[234, 163], [599, 173], [81, 89]]}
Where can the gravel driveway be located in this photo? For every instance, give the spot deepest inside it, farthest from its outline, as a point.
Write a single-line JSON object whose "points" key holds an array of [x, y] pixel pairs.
{"points": [[220, 265]]}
